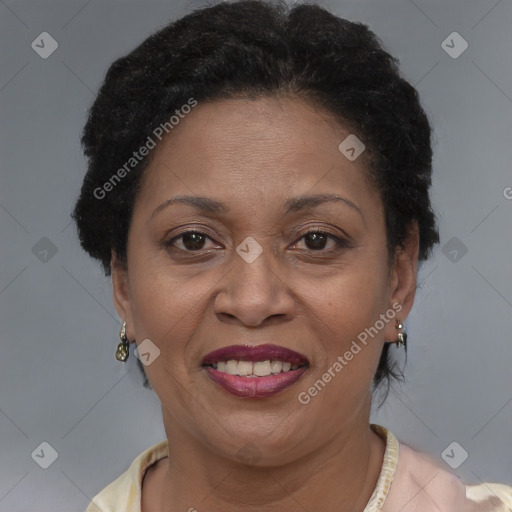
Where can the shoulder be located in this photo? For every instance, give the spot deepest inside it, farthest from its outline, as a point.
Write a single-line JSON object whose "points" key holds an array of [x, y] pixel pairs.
{"points": [[124, 493], [422, 484], [498, 495]]}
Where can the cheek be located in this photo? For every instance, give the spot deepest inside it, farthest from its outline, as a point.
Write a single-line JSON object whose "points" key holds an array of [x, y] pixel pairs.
{"points": [[163, 298], [341, 379], [347, 308], [165, 310], [166, 314], [354, 298]]}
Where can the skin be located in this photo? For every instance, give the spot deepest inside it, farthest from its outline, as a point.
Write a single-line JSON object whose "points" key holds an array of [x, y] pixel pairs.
{"points": [[253, 156]]}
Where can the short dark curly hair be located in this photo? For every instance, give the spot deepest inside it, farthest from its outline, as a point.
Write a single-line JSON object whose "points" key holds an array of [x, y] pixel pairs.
{"points": [[250, 49]]}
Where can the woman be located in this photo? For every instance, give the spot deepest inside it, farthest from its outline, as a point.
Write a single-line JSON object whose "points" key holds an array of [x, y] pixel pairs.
{"points": [[258, 189]]}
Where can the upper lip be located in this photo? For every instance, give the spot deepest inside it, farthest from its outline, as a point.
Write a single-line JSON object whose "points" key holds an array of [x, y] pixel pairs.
{"points": [[255, 353]]}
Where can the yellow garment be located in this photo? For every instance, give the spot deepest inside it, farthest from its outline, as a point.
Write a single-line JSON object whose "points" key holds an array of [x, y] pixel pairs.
{"points": [[409, 481]]}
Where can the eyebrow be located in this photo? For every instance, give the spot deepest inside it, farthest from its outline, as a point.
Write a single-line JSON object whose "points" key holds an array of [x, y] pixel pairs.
{"points": [[207, 205]]}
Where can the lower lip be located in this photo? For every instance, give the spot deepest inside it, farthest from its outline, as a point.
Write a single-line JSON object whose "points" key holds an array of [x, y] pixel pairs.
{"points": [[254, 387]]}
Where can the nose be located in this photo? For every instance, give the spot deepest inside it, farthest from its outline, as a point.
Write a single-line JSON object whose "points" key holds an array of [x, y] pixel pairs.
{"points": [[255, 292]]}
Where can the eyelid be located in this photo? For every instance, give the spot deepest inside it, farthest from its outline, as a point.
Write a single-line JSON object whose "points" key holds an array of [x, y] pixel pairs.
{"points": [[341, 241], [170, 242], [342, 235]]}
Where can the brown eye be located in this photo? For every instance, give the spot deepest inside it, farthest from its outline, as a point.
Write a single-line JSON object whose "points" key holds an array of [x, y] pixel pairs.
{"points": [[316, 240], [191, 241]]}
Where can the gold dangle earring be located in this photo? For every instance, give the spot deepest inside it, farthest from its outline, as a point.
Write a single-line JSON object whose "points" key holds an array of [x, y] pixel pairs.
{"points": [[123, 349], [401, 337]]}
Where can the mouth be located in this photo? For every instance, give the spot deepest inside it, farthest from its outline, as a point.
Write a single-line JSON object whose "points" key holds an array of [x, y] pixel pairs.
{"points": [[254, 371]]}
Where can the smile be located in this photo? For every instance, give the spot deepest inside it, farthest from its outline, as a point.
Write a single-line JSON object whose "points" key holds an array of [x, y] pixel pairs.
{"points": [[254, 371], [251, 369]]}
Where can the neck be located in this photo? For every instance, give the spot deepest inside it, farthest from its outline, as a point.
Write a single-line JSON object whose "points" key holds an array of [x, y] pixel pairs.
{"points": [[339, 475]]}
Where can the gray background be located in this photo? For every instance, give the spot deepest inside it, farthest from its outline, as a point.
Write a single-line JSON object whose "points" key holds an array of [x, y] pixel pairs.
{"points": [[59, 380]]}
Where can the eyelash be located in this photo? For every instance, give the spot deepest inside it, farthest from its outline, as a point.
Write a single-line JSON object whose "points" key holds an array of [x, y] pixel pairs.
{"points": [[340, 242]]}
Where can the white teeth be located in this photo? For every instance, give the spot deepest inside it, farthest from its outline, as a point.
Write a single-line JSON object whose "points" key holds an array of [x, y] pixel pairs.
{"points": [[262, 369], [232, 367], [244, 368], [250, 369], [276, 366]]}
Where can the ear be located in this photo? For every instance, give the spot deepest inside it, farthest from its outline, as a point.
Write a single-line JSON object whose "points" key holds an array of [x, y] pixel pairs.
{"points": [[403, 279], [121, 294]]}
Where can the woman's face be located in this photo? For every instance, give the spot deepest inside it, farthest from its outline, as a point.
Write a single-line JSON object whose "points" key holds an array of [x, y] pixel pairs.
{"points": [[308, 293]]}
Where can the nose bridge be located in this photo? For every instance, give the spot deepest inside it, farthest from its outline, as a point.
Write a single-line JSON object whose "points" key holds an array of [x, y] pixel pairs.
{"points": [[254, 261], [253, 290]]}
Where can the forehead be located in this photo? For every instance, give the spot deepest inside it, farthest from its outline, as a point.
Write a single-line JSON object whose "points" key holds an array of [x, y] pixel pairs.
{"points": [[254, 152]]}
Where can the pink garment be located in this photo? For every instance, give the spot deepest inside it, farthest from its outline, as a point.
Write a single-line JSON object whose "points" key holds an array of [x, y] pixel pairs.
{"points": [[409, 481], [421, 484]]}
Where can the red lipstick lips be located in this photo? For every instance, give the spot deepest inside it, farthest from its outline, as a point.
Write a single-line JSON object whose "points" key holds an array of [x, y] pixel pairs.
{"points": [[287, 367]]}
